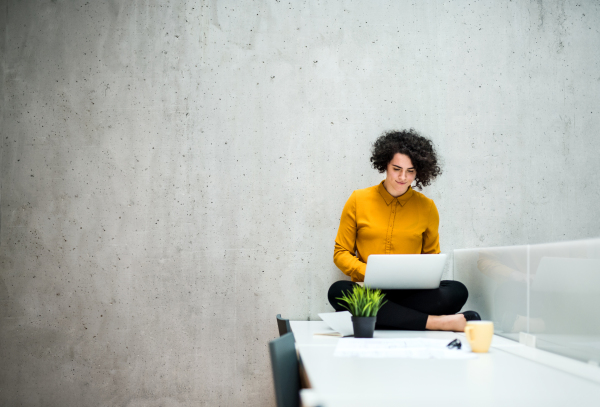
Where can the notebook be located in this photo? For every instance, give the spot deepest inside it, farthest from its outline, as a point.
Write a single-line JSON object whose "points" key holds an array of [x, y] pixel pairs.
{"points": [[339, 322]]}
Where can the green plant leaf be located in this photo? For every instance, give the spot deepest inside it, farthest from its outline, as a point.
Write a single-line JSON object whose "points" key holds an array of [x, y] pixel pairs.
{"points": [[362, 301]]}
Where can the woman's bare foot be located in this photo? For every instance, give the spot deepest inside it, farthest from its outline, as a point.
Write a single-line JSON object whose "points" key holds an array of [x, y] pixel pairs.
{"points": [[455, 322]]}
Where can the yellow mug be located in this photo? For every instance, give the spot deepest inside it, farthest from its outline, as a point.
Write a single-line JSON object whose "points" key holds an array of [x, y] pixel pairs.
{"points": [[479, 335]]}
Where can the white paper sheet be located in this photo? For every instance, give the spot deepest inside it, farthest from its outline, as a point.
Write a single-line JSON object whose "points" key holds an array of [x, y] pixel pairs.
{"points": [[408, 348], [338, 321]]}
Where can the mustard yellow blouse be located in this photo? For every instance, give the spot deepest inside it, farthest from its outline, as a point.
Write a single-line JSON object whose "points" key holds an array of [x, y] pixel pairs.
{"points": [[374, 222]]}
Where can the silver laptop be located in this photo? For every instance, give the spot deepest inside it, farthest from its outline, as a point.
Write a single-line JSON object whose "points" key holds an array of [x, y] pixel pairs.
{"points": [[404, 271]]}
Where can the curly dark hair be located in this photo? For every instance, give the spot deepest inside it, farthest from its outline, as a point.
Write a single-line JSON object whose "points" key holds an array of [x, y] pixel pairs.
{"points": [[419, 149]]}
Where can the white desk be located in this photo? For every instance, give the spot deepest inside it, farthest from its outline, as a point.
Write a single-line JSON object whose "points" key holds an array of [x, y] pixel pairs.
{"points": [[504, 376]]}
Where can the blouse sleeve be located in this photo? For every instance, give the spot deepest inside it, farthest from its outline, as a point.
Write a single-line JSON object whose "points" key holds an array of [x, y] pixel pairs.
{"points": [[345, 243], [431, 236]]}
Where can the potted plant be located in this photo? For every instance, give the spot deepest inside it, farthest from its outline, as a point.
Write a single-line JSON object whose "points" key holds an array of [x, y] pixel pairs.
{"points": [[363, 303]]}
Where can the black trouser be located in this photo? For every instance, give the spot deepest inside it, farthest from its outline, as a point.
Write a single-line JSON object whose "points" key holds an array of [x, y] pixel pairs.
{"points": [[409, 309]]}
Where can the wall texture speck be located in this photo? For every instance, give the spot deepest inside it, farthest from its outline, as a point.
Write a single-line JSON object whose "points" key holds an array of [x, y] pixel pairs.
{"points": [[173, 172]]}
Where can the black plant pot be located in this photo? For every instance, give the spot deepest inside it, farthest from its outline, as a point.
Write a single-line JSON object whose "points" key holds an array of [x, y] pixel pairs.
{"points": [[363, 326]]}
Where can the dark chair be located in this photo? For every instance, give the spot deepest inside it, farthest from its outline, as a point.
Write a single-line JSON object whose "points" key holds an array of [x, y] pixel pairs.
{"points": [[283, 325], [286, 376]]}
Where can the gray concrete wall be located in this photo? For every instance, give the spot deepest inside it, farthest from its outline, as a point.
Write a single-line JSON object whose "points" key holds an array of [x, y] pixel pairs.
{"points": [[172, 172]]}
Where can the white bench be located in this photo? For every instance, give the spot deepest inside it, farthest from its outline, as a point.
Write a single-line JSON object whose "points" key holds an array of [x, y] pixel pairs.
{"points": [[510, 374]]}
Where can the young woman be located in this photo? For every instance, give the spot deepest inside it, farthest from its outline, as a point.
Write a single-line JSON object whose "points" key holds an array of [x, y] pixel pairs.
{"points": [[393, 218]]}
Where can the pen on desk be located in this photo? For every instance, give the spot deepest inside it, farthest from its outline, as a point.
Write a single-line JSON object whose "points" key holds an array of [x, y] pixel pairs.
{"points": [[454, 344]]}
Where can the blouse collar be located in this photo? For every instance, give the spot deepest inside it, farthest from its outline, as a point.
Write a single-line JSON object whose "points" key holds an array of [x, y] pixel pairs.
{"points": [[388, 198]]}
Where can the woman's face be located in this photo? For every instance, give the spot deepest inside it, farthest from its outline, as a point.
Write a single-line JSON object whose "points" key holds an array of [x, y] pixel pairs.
{"points": [[400, 174]]}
